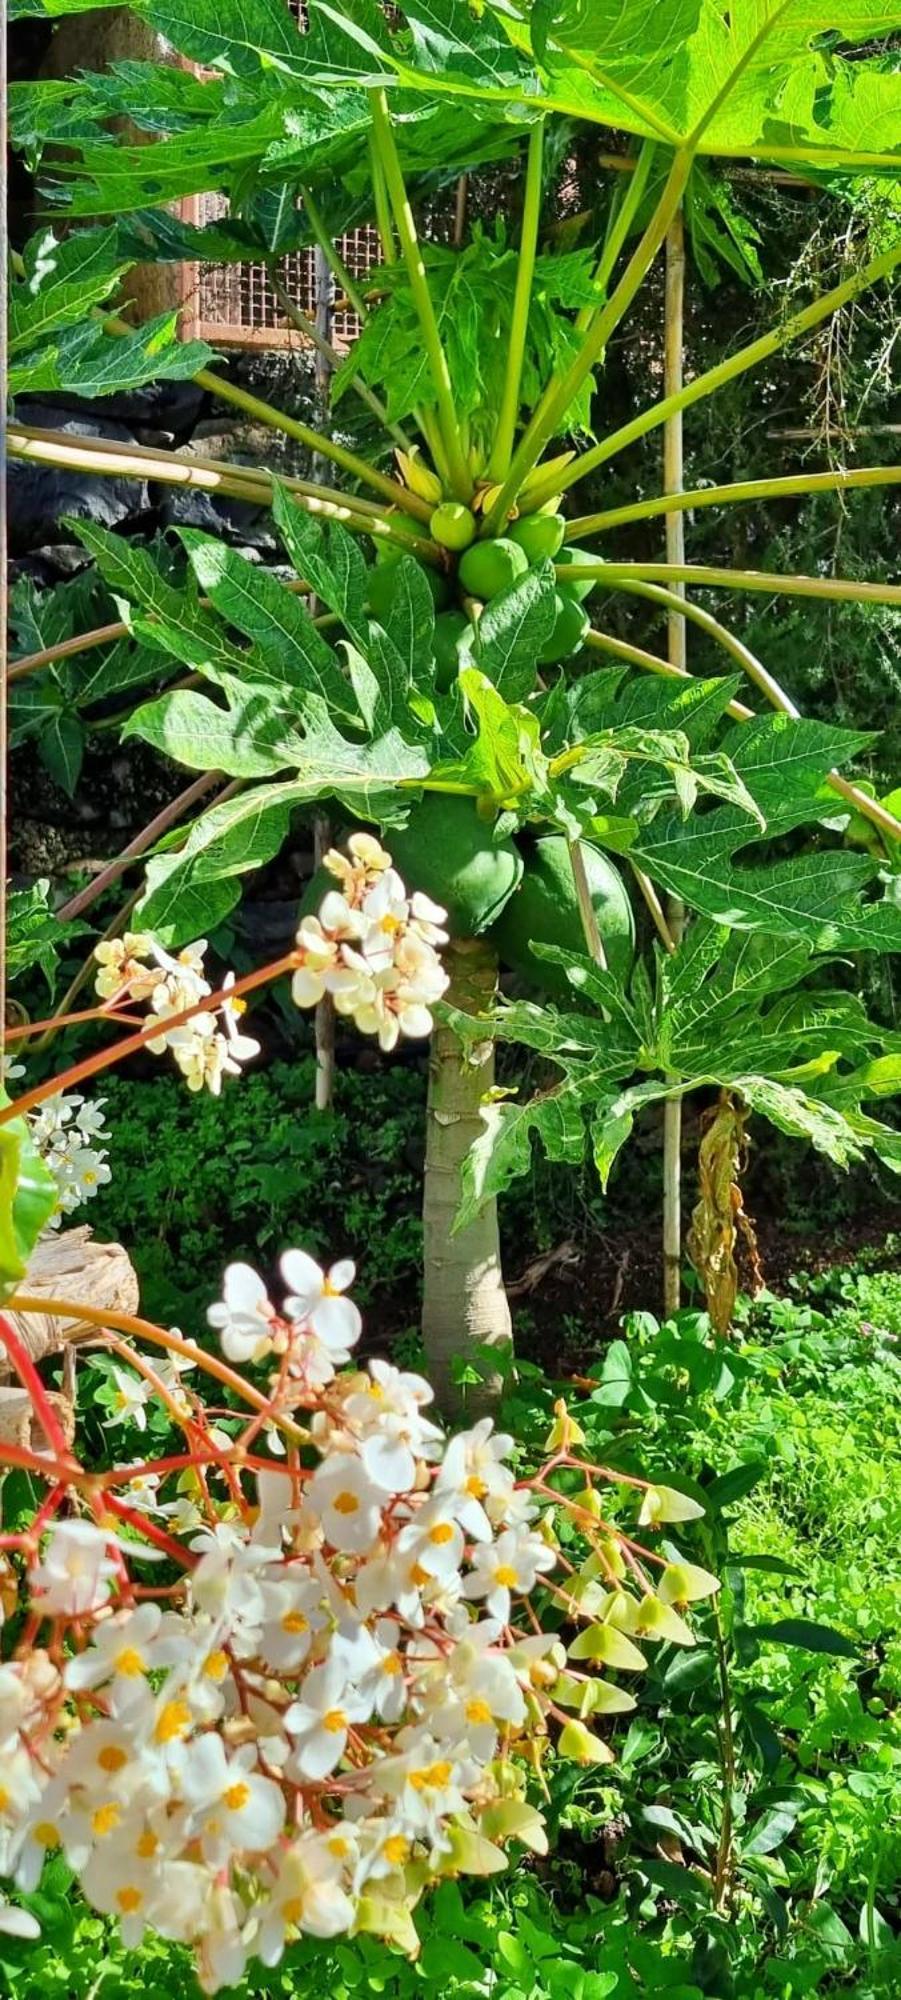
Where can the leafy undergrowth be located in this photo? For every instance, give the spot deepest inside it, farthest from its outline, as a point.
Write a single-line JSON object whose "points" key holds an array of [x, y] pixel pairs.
{"points": [[793, 1431]]}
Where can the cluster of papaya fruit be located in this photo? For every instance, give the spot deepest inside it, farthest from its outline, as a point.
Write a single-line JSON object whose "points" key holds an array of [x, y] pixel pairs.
{"points": [[517, 892]]}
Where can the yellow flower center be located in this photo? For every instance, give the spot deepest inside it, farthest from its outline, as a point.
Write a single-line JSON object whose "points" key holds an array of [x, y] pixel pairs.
{"points": [[5, 1799], [330, 1291], [432, 1777], [236, 1798], [419, 1576], [147, 1846], [129, 1899], [174, 1720], [292, 1910], [215, 1666], [334, 1721], [338, 1846], [105, 1819], [505, 1576], [112, 1757], [442, 1532], [294, 1621], [478, 1710], [46, 1834], [346, 1503], [129, 1662], [391, 1664], [476, 1486], [396, 1849]]}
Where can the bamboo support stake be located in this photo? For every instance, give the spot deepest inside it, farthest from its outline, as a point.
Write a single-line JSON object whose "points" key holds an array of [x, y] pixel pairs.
{"points": [[792, 328], [790, 486], [674, 309], [324, 1015]]}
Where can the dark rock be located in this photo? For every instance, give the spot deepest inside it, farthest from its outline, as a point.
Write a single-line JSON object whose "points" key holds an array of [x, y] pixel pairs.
{"points": [[38, 495], [174, 407]]}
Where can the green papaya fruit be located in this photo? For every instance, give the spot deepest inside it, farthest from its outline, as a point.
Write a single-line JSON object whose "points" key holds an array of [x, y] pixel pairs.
{"points": [[541, 535], [567, 632], [545, 910], [487, 568], [578, 557], [453, 525], [447, 850]]}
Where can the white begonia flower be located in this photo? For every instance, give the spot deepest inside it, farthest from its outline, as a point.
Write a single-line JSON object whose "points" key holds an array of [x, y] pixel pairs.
{"points": [[427, 919], [426, 1782], [307, 1895], [512, 1563], [292, 1615], [394, 1433], [245, 1319], [73, 1576], [320, 1719], [386, 1848], [374, 1664], [241, 1048], [91, 1118], [123, 967], [232, 1807], [183, 1514], [203, 1054], [472, 1690], [316, 1300], [433, 1540], [17, 1923], [124, 1647], [222, 1946], [127, 1876], [225, 1584], [130, 1398], [344, 1499], [474, 1478], [40, 1835], [19, 1785]]}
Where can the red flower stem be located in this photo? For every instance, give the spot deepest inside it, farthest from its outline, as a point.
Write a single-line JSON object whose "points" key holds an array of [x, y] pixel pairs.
{"points": [[72, 1021], [33, 1461], [144, 1329], [104, 1058], [31, 1382], [157, 1536]]}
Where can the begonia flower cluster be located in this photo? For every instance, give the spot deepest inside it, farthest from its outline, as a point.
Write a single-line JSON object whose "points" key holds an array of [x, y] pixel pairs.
{"points": [[249, 1698], [210, 1046], [372, 947]]}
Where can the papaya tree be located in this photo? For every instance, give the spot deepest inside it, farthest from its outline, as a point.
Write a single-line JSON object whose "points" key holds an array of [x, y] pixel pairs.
{"points": [[463, 708]]}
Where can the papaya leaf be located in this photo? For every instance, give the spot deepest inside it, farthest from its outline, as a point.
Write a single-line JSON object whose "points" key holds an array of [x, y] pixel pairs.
{"points": [[34, 935], [512, 630]]}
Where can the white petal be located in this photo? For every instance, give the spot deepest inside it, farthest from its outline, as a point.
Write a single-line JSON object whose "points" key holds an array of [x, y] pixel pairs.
{"points": [[337, 1323], [303, 1275], [342, 1274]]}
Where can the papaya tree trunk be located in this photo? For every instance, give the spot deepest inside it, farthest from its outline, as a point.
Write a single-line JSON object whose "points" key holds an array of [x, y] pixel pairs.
{"points": [[464, 1305]]}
